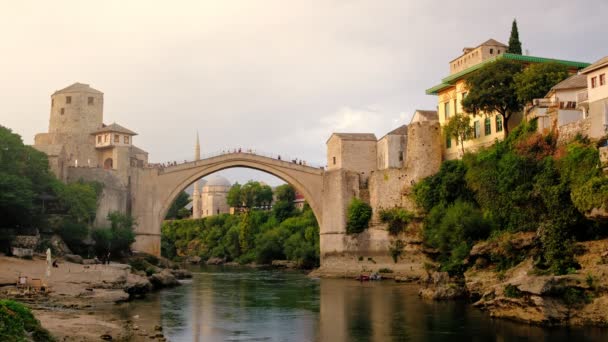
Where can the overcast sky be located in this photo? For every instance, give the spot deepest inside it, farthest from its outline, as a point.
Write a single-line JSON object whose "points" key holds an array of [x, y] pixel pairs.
{"points": [[276, 76]]}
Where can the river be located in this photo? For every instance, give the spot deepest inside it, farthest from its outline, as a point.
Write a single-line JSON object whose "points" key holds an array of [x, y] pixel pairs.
{"points": [[242, 304]]}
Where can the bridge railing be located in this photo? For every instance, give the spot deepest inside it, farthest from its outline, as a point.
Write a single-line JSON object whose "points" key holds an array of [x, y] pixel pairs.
{"points": [[276, 156]]}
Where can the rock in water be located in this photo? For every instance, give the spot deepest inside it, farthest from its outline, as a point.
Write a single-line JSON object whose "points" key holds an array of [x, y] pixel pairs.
{"points": [[163, 279]]}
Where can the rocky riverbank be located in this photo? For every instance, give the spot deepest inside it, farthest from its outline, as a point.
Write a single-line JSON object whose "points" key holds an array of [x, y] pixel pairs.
{"points": [[81, 302], [525, 294]]}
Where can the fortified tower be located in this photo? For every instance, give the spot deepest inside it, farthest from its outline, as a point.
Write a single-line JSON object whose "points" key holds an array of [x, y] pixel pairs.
{"points": [[76, 112]]}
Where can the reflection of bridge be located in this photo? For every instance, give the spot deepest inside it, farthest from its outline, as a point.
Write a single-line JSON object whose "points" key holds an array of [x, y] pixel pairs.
{"points": [[155, 189]]}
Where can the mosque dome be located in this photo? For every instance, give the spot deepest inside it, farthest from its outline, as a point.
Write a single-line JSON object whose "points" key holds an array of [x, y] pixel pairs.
{"points": [[217, 180]]}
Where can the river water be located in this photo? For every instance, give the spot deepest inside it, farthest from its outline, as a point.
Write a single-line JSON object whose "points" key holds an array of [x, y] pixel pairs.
{"points": [[234, 304]]}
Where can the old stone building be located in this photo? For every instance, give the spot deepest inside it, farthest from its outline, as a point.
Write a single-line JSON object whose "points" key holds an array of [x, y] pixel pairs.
{"points": [[80, 146], [212, 198], [391, 148], [77, 136]]}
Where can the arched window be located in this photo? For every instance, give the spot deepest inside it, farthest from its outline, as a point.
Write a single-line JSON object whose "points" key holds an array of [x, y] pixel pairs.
{"points": [[108, 164]]}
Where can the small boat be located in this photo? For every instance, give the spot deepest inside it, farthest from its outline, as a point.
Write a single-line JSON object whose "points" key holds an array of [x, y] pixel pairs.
{"points": [[362, 277]]}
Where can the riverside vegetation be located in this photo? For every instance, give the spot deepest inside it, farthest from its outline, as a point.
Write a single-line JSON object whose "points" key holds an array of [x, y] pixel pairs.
{"points": [[253, 235], [525, 183]]}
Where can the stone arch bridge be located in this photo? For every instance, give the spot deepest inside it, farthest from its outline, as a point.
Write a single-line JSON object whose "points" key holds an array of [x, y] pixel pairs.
{"points": [[154, 190]]}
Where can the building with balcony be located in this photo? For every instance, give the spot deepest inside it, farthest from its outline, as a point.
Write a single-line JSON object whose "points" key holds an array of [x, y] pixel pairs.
{"points": [[560, 106], [487, 127], [594, 99]]}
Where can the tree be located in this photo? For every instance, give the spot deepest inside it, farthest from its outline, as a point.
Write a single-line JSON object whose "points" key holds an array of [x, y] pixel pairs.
{"points": [[514, 43], [249, 194], [79, 200], [492, 89], [24, 176], [459, 127], [180, 202], [264, 197], [117, 239], [284, 206], [536, 80], [234, 196]]}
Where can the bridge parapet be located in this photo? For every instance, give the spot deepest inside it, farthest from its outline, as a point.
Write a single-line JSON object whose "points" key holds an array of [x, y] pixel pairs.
{"points": [[251, 157]]}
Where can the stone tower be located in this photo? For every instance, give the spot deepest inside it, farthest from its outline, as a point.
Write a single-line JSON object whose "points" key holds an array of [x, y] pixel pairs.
{"points": [[196, 195], [76, 112], [423, 157]]}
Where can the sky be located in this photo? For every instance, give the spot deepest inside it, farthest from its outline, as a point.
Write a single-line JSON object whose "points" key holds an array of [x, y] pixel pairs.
{"points": [[275, 76]]}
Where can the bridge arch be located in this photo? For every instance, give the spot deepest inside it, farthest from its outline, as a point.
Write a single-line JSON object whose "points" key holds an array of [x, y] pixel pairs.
{"points": [[155, 191]]}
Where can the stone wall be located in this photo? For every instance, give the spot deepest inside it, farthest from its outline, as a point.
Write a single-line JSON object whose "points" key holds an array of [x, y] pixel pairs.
{"points": [[569, 131], [114, 196]]}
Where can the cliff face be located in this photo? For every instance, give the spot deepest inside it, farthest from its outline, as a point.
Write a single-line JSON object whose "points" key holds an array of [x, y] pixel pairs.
{"points": [[522, 294]]}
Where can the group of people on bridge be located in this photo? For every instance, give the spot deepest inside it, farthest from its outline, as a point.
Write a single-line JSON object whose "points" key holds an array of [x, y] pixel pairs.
{"points": [[237, 150]]}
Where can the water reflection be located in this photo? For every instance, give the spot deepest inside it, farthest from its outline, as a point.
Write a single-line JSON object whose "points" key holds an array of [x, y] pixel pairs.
{"points": [[252, 305]]}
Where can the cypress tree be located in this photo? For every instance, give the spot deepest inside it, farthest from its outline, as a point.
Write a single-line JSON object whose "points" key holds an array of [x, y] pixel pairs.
{"points": [[514, 43]]}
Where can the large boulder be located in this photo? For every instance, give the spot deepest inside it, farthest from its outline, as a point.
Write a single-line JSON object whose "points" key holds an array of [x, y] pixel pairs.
{"points": [[77, 259], [215, 261], [440, 286], [59, 246], [163, 279], [194, 259], [27, 253], [136, 285], [181, 273]]}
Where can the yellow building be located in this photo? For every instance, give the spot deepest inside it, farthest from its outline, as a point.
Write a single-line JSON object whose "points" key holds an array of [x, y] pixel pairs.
{"points": [[452, 89]]}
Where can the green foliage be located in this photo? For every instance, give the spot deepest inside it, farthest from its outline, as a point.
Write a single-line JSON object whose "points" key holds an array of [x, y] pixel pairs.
{"points": [[453, 230], [396, 218], [234, 196], [396, 249], [573, 296], [284, 207], [73, 234], [385, 270], [523, 183], [176, 211], [459, 128], [514, 43], [17, 323], [79, 200], [24, 176], [117, 239], [358, 216], [536, 80], [492, 89], [511, 291], [250, 236], [445, 187]]}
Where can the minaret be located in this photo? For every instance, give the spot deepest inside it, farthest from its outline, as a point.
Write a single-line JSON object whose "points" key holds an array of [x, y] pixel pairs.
{"points": [[196, 194]]}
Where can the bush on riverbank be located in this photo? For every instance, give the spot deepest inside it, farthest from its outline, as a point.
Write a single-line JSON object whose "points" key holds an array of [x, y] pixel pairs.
{"points": [[17, 323], [358, 215], [524, 183], [254, 235]]}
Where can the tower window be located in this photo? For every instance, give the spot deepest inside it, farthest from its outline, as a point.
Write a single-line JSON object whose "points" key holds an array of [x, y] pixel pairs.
{"points": [[491, 51], [116, 138], [91, 100], [126, 139], [62, 111], [68, 99], [99, 139], [334, 160]]}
